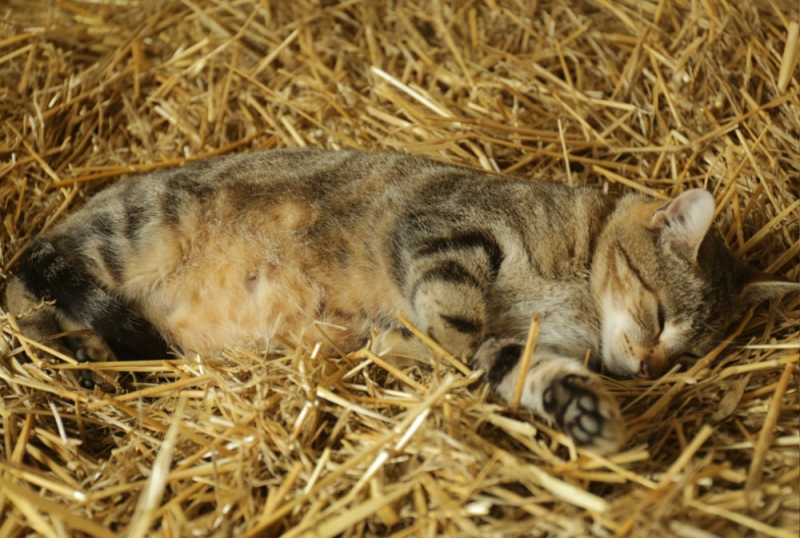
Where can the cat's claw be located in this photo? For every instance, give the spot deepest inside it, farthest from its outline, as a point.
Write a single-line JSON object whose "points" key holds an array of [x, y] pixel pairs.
{"points": [[585, 411]]}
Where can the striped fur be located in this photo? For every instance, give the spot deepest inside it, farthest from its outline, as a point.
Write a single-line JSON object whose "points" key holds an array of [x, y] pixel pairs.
{"points": [[231, 251]]}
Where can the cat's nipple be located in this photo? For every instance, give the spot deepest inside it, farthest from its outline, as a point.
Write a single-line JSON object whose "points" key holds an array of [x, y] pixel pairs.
{"points": [[251, 281]]}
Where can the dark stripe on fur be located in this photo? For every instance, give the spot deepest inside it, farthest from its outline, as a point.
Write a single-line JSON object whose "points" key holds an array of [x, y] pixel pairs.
{"points": [[172, 207], [507, 359], [463, 325], [135, 217], [104, 225], [634, 270], [111, 258], [41, 267], [104, 230], [51, 275], [447, 271], [465, 241]]}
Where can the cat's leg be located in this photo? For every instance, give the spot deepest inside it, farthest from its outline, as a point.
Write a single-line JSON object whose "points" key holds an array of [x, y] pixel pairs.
{"points": [[102, 327], [445, 279], [558, 388], [43, 323], [36, 320], [451, 313]]}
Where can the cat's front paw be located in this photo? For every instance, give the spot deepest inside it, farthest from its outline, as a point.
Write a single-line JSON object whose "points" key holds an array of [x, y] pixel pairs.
{"points": [[558, 388], [583, 409]]}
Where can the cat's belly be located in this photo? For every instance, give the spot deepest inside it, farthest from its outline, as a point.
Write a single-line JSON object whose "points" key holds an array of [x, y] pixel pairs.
{"points": [[207, 309], [239, 290]]}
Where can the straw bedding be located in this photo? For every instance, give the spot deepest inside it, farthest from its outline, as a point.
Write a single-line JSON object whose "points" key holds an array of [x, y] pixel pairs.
{"points": [[657, 96]]}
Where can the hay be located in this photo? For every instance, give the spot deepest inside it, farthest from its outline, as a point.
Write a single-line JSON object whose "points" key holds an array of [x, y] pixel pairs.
{"points": [[656, 96]]}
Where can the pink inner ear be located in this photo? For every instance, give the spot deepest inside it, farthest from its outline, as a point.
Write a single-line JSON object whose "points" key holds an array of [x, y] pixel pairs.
{"points": [[686, 220]]}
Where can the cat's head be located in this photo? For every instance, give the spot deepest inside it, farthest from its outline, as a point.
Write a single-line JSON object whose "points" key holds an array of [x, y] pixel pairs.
{"points": [[666, 285]]}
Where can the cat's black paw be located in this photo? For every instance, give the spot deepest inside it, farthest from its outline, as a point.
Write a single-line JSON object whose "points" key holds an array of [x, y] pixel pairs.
{"points": [[583, 409]]}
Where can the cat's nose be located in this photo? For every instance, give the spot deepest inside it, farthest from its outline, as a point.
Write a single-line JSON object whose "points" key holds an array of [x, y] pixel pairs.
{"points": [[651, 368], [652, 363]]}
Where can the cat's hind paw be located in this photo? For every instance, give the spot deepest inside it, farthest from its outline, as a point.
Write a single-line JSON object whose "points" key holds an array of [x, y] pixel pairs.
{"points": [[583, 409], [89, 347]]}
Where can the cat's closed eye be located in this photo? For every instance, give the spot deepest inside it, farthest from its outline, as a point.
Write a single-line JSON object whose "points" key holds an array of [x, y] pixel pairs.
{"points": [[661, 319]]}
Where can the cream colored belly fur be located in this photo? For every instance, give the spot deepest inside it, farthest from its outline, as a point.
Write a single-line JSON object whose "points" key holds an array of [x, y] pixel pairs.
{"points": [[213, 286]]}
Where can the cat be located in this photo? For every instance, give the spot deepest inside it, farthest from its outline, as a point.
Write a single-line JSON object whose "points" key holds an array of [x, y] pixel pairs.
{"points": [[230, 251]]}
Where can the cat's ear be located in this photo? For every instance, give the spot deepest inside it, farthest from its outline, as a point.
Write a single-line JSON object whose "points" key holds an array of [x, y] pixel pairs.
{"points": [[760, 286], [685, 221]]}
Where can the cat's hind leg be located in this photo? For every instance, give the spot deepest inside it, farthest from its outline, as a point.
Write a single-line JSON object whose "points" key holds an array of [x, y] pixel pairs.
{"points": [[558, 388], [102, 327], [36, 319], [43, 323]]}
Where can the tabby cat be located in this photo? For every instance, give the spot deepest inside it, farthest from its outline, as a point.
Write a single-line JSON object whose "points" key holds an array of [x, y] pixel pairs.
{"points": [[229, 251]]}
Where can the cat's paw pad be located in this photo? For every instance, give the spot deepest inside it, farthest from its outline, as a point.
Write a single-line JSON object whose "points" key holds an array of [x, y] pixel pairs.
{"points": [[586, 412], [85, 377]]}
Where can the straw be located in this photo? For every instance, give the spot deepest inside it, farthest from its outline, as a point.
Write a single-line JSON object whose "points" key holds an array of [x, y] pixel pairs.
{"points": [[650, 96]]}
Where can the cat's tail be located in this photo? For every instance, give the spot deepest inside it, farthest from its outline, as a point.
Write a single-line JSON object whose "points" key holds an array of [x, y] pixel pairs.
{"points": [[48, 272]]}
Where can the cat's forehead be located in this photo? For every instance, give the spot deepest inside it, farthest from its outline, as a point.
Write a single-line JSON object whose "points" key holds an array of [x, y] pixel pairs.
{"points": [[666, 271], [685, 284]]}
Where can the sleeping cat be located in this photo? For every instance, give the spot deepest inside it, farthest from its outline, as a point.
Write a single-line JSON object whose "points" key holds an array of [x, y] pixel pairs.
{"points": [[230, 251]]}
